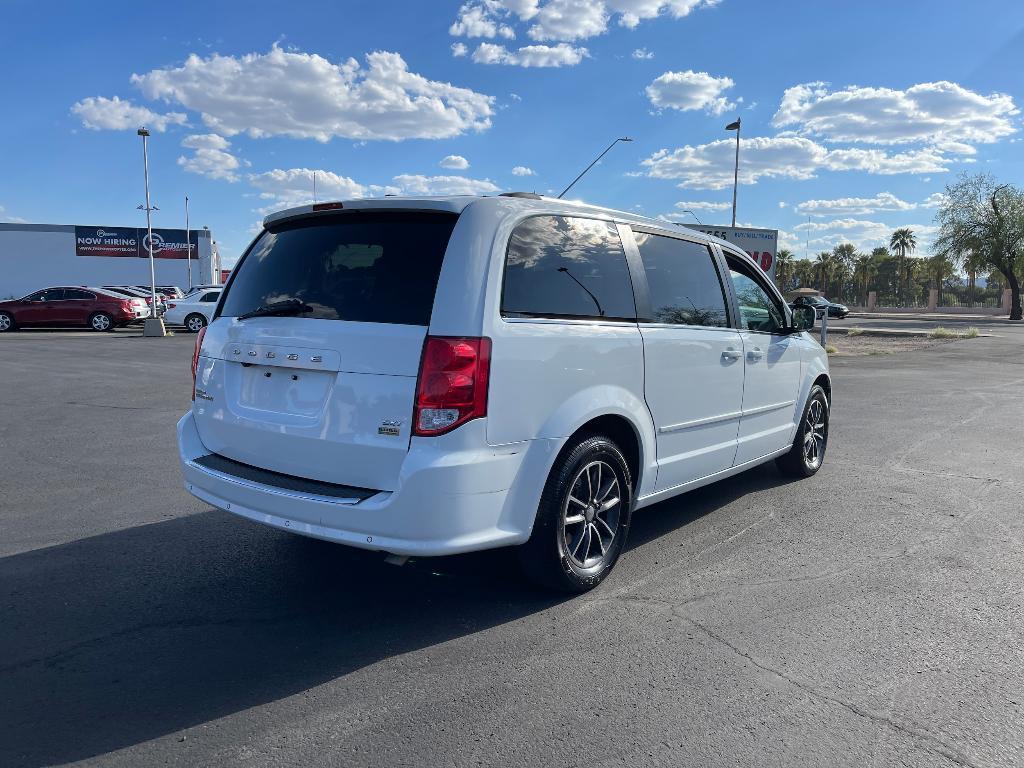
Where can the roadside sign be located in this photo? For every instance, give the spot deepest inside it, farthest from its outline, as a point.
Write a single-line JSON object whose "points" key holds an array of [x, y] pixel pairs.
{"points": [[761, 244]]}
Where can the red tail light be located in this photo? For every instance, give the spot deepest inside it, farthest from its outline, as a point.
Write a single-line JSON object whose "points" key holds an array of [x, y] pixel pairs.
{"points": [[195, 358], [127, 305], [452, 384]]}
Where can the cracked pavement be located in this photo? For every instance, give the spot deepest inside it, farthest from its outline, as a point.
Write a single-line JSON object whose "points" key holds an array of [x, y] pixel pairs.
{"points": [[869, 616]]}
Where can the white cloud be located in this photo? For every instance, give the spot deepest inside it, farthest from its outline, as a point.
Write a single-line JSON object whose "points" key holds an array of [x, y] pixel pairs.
{"points": [[563, 20], [934, 200], [210, 157], [710, 166], [942, 113], [100, 113], [290, 187], [561, 55], [459, 49], [864, 234], [10, 219], [522, 170], [411, 184], [883, 201], [700, 205], [643, 53], [306, 96], [477, 20], [690, 90], [455, 162]]}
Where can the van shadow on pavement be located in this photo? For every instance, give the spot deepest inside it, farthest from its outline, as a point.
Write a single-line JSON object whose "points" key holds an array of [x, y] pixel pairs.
{"points": [[120, 638]]}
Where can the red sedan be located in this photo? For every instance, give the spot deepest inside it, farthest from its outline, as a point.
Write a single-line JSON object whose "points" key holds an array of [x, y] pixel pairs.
{"points": [[65, 306]]}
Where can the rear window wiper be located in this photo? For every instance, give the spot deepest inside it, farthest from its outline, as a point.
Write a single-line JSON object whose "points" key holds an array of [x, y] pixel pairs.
{"points": [[286, 307]]}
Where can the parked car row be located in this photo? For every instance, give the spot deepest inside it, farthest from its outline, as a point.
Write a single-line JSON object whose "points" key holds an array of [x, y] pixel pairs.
{"points": [[103, 308]]}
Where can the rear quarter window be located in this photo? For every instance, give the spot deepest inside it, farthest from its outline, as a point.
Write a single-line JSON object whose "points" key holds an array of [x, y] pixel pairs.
{"points": [[365, 266], [567, 266]]}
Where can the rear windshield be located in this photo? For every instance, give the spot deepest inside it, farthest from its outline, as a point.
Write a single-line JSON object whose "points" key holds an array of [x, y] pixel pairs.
{"points": [[371, 267]]}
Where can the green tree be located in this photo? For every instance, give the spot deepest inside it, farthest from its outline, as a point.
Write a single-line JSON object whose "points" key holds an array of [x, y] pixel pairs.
{"points": [[865, 268], [823, 264], [939, 266], [843, 257], [983, 217], [902, 242], [784, 268]]}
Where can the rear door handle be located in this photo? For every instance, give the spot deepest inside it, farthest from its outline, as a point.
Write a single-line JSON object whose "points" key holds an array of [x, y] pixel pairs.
{"points": [[755, 354], [731, 354]]}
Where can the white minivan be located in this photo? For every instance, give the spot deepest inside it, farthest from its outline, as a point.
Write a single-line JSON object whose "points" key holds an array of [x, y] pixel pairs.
{"points": [[429, 376]]}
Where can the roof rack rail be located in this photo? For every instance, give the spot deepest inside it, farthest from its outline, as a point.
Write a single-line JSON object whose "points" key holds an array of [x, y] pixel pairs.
{"points": [[529, 195]]}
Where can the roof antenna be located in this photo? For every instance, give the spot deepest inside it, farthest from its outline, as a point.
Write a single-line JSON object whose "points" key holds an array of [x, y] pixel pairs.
{"points": [[624, 138]]}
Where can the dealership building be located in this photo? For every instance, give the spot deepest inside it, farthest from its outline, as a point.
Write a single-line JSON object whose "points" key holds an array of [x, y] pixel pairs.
{"points": [[34, 256]]}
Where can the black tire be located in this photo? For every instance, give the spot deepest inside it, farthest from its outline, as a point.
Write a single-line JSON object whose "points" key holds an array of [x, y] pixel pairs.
{"points": [[101, 321], [7, 322], [195, 319], [555, 557], [808, 452]]}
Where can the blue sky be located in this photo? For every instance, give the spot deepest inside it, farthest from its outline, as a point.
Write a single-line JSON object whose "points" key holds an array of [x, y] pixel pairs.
{"points": [[855, 115]]}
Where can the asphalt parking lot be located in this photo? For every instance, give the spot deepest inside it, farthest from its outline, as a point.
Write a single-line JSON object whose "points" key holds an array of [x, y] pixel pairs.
{"points": [[871, 615]]}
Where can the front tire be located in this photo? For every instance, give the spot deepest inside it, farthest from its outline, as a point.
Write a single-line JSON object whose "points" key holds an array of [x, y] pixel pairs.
{"points": [[583, 518], [195, 322], [7, 322], [808, 452], [101, 321]]}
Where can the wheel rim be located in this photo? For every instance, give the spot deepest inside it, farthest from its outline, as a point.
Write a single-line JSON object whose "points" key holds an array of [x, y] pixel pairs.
{"points": [[815, 434], [195, 324], [590, 515], [101, 322], [5, 323]]}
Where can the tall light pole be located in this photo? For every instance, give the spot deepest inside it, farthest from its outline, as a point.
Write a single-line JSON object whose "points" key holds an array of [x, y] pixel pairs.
{"points": [[624, 138], [687, 210], [154, 324], [736, 172], [188, 245]]}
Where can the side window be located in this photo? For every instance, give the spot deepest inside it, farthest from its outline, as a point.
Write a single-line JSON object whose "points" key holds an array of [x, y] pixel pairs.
{"points": [[212, 296], [73, 294], [759, 310], [51, 294], [683, 282], [565, 266]]}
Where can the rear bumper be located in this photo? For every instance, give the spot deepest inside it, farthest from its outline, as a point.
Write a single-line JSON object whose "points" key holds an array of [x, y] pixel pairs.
{"points": [[450, 500]]}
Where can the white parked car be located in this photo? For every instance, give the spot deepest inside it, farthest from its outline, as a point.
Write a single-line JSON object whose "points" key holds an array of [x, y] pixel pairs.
{"points": [[427, 376], [195, 311]]}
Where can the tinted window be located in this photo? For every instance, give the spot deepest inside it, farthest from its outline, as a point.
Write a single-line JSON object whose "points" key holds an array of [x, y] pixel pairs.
{"points": [[74, 294], [683, 282], [372, 267], [567, 266], [50, 294], [211, 296], [759, 311]]}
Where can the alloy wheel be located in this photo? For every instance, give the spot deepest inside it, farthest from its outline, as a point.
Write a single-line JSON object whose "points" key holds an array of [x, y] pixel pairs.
{"points": [[590, 514], [195, 324], [815, 434], [101, 322], [5, 322]]}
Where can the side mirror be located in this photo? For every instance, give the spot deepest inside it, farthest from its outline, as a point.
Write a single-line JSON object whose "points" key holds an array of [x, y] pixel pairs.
{"points": [[803, 318]]}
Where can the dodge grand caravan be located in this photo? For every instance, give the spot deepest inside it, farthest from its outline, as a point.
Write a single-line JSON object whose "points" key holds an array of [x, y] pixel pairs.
{"points": [[432, 376]]}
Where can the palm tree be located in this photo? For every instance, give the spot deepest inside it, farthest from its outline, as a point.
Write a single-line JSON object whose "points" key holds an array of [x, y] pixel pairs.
{"points": [[783, 268], [903, 242], [864, 270], [803, 271], [824, 264], [973, 264], [939, 265]]}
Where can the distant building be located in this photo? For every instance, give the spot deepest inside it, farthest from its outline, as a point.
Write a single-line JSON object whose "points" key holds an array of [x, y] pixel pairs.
{"points": [[33, 256]]}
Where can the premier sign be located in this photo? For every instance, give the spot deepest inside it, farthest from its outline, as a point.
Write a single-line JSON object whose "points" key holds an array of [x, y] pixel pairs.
{"points": [[761, 244], [134, 243]]}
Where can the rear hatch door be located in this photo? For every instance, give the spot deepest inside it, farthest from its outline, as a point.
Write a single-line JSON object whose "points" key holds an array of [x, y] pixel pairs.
{"points": [[321, 383]]}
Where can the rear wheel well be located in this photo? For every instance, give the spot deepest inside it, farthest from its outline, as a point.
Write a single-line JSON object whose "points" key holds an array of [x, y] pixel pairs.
{"points": [[622, 433], [824, 382]]}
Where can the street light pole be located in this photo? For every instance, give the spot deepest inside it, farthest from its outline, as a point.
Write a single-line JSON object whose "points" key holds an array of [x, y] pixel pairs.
{"points": [[736, 172], [154, 324], [188, 245], [624, 138]]}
